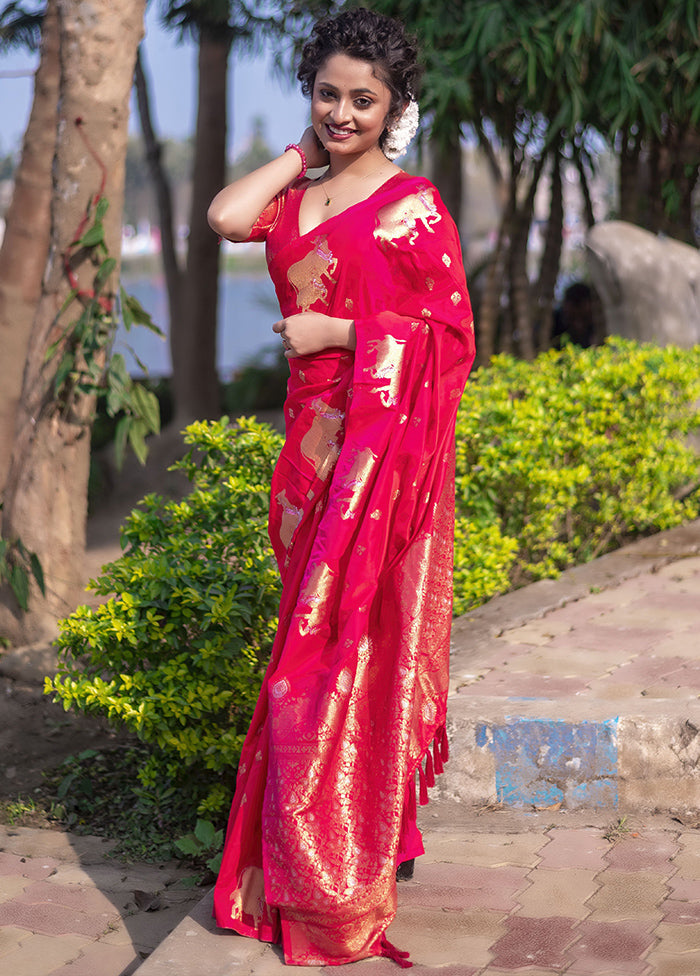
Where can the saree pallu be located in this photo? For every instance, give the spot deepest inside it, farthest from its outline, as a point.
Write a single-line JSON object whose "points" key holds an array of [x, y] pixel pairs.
{"points": [[361, 522]]}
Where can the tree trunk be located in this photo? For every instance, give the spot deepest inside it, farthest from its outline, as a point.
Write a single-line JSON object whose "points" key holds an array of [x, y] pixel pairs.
{"points": [[193, 341], [520, 291], [489, 307], [447, 170], [174, 276], [25, 246], [654, 210], [46, 492], [630, 151], [585, 189], [491, 337], [551, 258], [682, 159], [519, 331]]}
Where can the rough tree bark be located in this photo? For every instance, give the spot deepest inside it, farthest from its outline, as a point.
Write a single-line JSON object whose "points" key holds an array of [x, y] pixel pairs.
{"points": [[193, 339], [46, 492], [25, 246]]}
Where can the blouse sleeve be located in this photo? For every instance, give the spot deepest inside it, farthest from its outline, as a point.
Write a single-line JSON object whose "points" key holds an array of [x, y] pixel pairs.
{"points": [[267, 220]]}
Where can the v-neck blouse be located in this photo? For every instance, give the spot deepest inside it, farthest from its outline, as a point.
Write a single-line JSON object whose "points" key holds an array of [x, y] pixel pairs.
{"points": [[286, 205]]}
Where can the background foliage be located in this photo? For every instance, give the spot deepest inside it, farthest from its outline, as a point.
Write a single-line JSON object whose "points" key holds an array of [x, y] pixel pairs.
{"points": [[177, 651]]}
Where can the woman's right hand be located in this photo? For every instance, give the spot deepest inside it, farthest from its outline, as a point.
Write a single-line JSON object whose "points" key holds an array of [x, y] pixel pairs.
{"points": [[316, 154]]}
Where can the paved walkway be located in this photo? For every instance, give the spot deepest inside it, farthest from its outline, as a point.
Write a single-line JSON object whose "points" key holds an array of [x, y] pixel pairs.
{"points": [[496, 896], [67, 909], [561, 879]]}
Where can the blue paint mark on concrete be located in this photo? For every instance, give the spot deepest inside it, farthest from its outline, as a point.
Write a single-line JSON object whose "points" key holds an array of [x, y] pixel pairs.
{"points": [[543, 761]]}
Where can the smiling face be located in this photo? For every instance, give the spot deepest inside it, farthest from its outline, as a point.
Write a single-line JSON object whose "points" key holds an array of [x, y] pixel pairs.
{"points": [[349, 105]]}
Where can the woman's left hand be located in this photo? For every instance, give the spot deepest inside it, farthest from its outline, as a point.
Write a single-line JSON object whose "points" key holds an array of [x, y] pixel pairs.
{"points": [[308, 332]]}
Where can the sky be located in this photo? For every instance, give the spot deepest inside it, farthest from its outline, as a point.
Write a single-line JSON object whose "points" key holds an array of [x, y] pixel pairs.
{"points": [[171, 67]]}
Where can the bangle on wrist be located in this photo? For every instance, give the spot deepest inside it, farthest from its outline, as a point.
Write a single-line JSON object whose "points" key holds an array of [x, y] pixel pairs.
{"points": [[302, 156]]}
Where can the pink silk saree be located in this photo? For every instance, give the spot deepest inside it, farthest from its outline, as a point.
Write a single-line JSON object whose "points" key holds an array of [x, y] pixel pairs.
{"points": [[362, 524]]}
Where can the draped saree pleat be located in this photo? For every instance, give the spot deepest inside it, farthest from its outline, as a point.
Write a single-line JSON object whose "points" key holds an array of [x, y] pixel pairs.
{"points": [[361, 522]]}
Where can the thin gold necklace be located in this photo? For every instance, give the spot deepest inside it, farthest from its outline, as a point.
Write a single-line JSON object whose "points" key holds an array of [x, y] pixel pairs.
{"points": [[360, 180]]}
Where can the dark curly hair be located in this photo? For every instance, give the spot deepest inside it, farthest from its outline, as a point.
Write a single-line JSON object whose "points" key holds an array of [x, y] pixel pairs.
{"points": [[367, 36]]}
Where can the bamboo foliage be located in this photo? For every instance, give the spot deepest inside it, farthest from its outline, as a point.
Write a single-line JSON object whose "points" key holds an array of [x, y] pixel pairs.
{"points": [[532, 81]]}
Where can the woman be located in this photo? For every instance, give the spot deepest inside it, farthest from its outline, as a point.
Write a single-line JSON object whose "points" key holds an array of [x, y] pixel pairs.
{"points": [[378, 332]]}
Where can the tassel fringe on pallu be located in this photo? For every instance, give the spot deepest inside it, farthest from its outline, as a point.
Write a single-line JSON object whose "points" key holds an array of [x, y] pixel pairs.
{"points": [[390, 951], [434, 764], [435, 760]]}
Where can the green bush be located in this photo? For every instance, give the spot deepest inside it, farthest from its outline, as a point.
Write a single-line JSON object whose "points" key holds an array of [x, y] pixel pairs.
{"points": [[557, 461], [568, 457], [177, 653]]}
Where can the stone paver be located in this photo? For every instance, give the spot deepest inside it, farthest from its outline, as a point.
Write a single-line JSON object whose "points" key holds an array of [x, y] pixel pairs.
{"points": [[535, 941], [500, 892], [582, 848], [624, 896], [649, 852], [568, 889], [611, 948], [662, 964], [98, 958], [42, 955]]}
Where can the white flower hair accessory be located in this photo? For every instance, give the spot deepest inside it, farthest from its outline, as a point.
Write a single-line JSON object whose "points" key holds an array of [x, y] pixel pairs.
{"points": [[400, 133]]}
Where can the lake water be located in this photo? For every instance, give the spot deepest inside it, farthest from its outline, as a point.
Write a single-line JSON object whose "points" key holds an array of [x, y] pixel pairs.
{"points": [[247, 308]]}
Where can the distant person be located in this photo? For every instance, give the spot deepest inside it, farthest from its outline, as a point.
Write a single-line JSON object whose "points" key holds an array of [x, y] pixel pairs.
{"points": [[574, 320], [378, 332]]}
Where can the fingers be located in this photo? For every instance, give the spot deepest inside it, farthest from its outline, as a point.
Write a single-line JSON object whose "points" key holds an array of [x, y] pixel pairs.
{"points": [[280, 328], [316, 154]]}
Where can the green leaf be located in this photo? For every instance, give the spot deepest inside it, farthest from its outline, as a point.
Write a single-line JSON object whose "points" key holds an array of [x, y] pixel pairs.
{"points": [[140, 363], [37, 572], [63, 372], [125, 305], [205, 832], [51, 351], [19, 582], [137, 439], [101, 208], [93, 235], [137, 314], [103, 272], [147, 407], [120, 437], [189, 845], [117, 373]]}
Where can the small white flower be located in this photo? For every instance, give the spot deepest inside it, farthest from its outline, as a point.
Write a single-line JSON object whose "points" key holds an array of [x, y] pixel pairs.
{"points": [[400, 133]]}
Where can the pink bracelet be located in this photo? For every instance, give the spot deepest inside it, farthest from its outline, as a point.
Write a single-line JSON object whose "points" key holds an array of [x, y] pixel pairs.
{"points": [[302, 155]]}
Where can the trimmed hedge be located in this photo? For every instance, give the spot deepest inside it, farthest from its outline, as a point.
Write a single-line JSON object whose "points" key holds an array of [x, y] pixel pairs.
{"points": [[557, 461], [565, 458]]}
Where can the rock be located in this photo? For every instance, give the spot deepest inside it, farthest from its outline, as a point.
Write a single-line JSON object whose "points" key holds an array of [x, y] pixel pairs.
{"points": [[649, 285], [29, 664]]}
